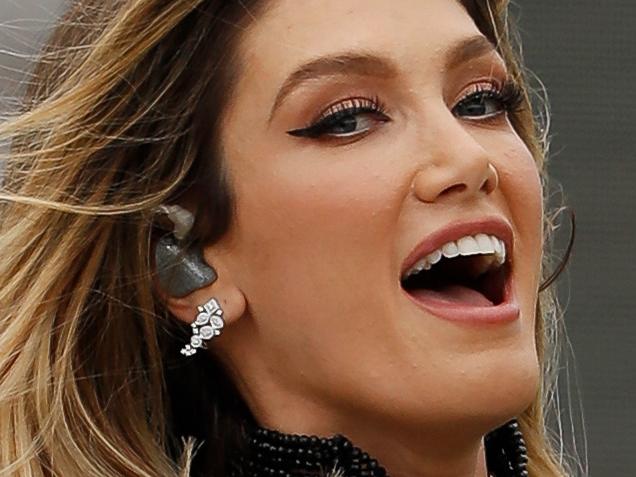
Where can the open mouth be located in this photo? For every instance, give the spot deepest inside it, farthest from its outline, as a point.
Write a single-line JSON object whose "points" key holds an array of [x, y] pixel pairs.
{"points": [[476, 280]]}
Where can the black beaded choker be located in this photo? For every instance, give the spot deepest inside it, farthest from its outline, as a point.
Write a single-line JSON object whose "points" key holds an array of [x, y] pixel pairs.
{"points": [[272, 453]]}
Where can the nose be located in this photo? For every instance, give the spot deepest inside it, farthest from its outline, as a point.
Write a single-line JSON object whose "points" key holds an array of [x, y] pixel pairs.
{"points": [[458, 168]]}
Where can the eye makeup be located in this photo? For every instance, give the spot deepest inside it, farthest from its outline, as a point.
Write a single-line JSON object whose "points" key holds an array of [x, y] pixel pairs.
{"points": [[486, 99], [482, 100], [342, 115]]}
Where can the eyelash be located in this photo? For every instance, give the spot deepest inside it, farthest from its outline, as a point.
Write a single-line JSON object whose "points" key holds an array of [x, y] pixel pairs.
{"points": [[335, 113], [509, 96]]}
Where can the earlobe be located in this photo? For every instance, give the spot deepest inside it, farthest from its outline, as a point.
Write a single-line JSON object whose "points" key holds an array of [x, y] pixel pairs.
{"points": [[207, 310], [186, 281], [229, 298]]}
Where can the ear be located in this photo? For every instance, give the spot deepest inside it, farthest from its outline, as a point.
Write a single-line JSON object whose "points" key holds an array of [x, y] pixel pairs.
{"points": [[223, 289]]}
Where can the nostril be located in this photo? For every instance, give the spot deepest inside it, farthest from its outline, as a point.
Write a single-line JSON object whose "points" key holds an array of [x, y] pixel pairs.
{"points": [[454, 188]]}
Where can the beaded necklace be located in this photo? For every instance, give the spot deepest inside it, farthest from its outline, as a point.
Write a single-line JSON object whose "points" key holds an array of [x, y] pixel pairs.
{"points": [[272, 453]]}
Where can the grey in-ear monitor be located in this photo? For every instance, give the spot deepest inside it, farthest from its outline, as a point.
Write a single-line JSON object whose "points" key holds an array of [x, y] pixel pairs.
{"points": [[180, 270]]}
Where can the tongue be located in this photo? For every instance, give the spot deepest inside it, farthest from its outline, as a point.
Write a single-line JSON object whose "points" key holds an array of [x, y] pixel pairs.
{"points": [[457, 294]]}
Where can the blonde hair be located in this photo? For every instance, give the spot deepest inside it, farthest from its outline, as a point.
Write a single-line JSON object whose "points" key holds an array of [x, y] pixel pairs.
{"points": [[91, 381]]}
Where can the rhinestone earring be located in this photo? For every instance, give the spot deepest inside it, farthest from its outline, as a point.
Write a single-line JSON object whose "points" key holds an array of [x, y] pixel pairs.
{"points": [[208, 324]]}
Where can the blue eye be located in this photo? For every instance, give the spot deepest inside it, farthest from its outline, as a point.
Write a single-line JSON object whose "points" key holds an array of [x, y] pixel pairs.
{"points": [[478, 104], [488, 103], [347, 119]]}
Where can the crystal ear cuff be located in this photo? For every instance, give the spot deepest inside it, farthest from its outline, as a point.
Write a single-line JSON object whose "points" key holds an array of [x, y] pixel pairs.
{"points": [[208, 324]]}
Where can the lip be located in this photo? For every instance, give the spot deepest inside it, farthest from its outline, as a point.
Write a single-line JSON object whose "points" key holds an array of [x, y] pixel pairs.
{"points": [[507, 311], [496, 226]]}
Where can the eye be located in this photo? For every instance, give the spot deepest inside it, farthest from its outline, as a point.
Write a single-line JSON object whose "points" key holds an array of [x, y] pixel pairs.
{"points": [[488, 100], [349, 118]]}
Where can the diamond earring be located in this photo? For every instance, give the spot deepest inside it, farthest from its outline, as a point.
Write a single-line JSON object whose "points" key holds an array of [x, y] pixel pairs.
{"points": [[208, 324]]}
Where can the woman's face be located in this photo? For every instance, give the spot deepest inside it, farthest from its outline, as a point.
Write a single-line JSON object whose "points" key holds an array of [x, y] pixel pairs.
{"points": [[325, 221]]}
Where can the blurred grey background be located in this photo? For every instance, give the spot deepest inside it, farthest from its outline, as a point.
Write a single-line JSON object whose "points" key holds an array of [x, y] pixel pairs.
{"points": [[584, 51]]}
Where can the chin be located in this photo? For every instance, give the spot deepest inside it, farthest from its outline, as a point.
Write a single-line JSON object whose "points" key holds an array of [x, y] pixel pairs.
{"points": [[475, 395], [496, 387], [504, 391]]}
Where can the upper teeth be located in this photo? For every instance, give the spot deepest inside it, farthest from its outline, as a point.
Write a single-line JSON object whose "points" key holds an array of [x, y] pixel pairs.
{"points": [[480, 244]]}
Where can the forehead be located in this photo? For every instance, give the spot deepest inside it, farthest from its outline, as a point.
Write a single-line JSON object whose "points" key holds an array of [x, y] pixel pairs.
{"points": [[414, 33]]}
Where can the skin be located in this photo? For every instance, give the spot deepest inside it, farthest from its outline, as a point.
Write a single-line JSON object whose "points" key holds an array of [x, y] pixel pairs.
{"points": [[319, 335]]}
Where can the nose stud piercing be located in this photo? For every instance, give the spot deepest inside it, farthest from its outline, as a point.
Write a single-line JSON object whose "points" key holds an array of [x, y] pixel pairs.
{"points": [[495, 174], [208, 324]]}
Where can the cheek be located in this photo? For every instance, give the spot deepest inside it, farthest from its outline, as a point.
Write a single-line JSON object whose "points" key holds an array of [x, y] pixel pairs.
{"points": [[307, 225], [521, 186]]}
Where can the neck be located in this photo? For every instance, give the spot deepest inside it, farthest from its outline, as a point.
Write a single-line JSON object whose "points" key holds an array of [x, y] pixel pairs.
{"points": [[449, 454], [451, 451]]}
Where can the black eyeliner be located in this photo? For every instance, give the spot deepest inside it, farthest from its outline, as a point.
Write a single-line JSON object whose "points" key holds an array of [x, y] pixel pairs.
{"points": [[311, 131], [322, 126]]}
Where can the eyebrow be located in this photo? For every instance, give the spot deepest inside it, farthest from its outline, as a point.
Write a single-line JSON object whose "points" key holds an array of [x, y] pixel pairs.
{"points": [[368, 64]]}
